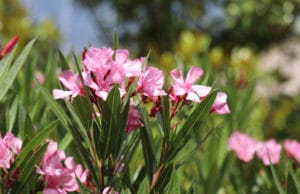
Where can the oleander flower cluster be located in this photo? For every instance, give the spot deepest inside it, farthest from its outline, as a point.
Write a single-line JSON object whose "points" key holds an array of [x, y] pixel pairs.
{"points": [[10, 147], [60, 172], [103, 68], [246, 147]]}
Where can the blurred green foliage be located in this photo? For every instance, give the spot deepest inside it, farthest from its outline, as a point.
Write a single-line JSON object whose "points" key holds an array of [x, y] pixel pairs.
{"points": [[15, 20], [156, 24]]}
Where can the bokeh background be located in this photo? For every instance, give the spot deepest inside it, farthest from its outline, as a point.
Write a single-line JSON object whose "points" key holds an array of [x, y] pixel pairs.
{"points": [[258, 39]]}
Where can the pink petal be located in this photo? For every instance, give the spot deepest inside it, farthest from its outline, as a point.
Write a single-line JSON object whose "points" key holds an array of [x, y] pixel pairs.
{"points": [[70, 80], [220, 105], [193, 97], [269, 152], [121, 56], [59, 94], [292, 148], [243, 145], [176, 75], [193, 75], [202, 91]]}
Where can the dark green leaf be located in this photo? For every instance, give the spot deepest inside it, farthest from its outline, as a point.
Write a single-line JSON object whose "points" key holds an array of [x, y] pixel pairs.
{"points": [[63, 62], [148, 150], [291, 186], [276, 180], [111, 122], [192, 123]]}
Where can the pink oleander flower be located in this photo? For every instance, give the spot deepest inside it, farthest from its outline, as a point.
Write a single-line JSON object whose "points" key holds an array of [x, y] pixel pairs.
{"points": [[186, 87], [72, 82], [243, 145], [9, 46], [97, 58], [134, 119], [292, 148], [9, 147], [220, 105], [108, 70], [59, 171], [269, 152], [151, 82]]}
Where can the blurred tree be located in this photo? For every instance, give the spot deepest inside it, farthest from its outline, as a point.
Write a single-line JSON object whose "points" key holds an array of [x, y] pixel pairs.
{"points": [[15, 20], [156, 24]]}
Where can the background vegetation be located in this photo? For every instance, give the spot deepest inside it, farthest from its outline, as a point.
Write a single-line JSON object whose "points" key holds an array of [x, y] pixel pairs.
{"points": [[245, 48]]}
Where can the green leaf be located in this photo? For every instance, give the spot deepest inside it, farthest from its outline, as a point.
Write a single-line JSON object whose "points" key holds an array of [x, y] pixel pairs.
{"points": [[53, 104], [144, 187], [291, 186], [9, 78], [65, 142], [147, 146], [25, 125], [63, 62], [115, 41], [174, 184], [84, 110], [38, 139], [192, 123], [12, 114], [165, 116], [276, 180], [111, 122], [164, 178]]}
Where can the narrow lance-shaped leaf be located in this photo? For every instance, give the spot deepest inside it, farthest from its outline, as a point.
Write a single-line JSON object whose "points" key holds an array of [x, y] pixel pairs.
{"points": [[29, 169], [9, 78], [147, 146], [37, 140], [110, 121], [193, 122], [53, 104], [144, 187], [63, 62], [12, 114], [291, 186], [276, 180], [165, 116], [174, 184]]}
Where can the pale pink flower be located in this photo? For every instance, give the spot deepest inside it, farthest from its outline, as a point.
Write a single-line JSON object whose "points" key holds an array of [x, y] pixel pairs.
{"points": [[151, 82], [186, 87], [220, 105], [292, 148], [9, 147], [108, 70], [72, 82], [59, 171], [243, 145], [134, 119], [97, 58], [269, 152]]}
